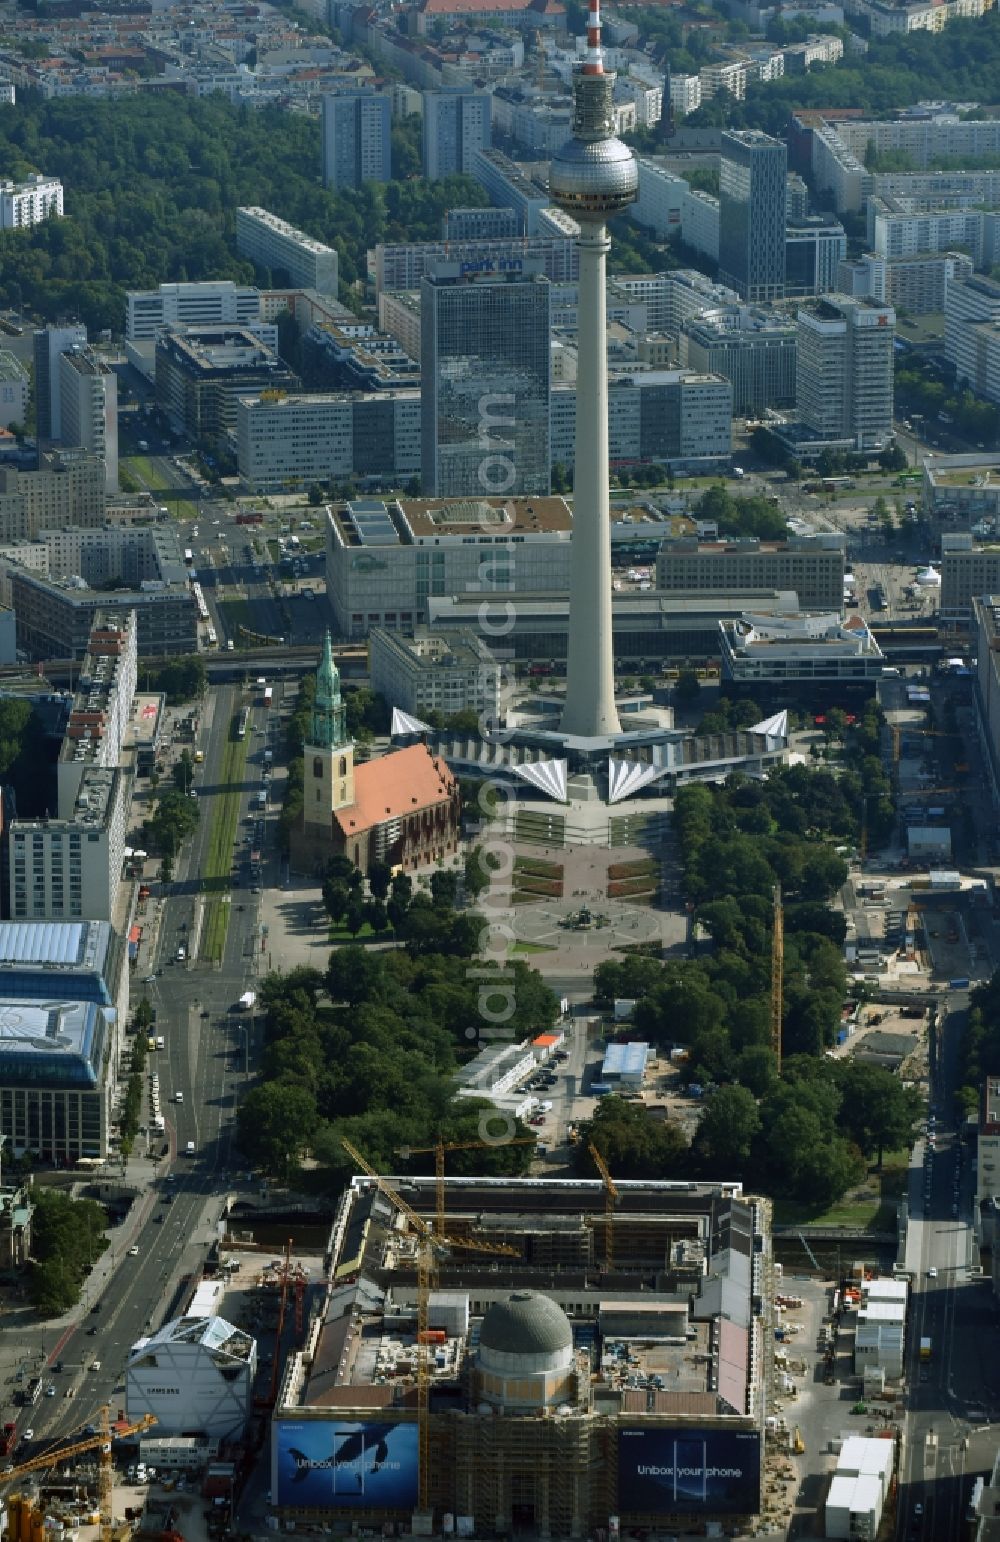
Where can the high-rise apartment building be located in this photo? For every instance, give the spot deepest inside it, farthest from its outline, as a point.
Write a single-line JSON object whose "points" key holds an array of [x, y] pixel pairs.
{"points": [[484, 383], [356, 138], [752, 197], [844, 370], [89, 400], [456, 126], [29, 202], [966, 305], [273, 243], [50, 342]]}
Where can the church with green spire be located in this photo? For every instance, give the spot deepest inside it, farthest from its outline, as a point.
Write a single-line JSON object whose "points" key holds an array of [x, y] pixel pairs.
{"points": [[329, 750], [402, 808]]}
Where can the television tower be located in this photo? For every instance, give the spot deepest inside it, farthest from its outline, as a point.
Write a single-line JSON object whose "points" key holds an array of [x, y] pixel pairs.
{"points": [[593, 176]]}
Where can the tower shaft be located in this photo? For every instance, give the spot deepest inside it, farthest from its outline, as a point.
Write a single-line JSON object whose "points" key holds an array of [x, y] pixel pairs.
{"points": [[590, 710]]}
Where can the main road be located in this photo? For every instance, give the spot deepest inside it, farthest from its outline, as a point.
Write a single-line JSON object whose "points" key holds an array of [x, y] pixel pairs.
{"points": [[208, 1057]]}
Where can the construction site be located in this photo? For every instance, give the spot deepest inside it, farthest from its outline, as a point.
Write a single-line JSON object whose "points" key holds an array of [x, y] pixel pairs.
{"points": [[559, 1357]]}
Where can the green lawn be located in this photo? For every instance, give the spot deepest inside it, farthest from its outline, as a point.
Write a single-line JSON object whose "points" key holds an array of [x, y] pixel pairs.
{"points": [[532, 947], [143, 471], [872, 1206], [234, 614], [215, 876]]}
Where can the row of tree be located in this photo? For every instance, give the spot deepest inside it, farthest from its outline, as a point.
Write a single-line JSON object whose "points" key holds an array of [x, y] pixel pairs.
{"points": [[67, 1237]]}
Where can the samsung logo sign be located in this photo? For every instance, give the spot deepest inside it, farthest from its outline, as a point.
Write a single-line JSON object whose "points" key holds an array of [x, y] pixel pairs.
{"points": [[164, 1391]]}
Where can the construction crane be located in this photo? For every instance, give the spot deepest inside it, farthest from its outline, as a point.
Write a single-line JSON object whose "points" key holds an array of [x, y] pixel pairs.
{"points": [[610, 1199], [899, 729], [100, 1442], [294, 1277], [778, 967], [439, 1149], [427, 1243]]}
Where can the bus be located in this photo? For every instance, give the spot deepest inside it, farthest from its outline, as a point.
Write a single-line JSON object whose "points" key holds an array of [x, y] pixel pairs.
{"points": [[188, 556], [243, 723], [268, 696]]}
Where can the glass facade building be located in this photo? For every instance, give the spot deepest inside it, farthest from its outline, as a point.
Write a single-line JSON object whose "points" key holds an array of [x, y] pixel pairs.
{"points": [[54, 1079], [484, 383], [752, 199]]}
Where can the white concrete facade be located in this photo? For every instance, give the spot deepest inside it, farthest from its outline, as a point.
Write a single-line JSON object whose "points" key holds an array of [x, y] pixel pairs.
{"points": [[274, 243], [193, 1374]]}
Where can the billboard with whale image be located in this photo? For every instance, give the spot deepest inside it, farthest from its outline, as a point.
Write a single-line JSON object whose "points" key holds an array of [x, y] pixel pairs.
{"points": [[324, 1463]]}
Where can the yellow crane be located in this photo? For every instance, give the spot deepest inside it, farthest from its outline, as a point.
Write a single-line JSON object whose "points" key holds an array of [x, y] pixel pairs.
{"points": [[610, 1199], [440, 1148], [100, 1442], [778, 968], [898, 729], [427, 1242]]}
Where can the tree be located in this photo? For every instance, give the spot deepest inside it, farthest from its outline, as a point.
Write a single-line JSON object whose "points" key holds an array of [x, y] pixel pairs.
{"points": [[727, 1129], [337, 897], [687, 690], [375, 914], [878, 1112], [444, 887], [475, 876], [275, 1125], [354, 919], [379, 877]]}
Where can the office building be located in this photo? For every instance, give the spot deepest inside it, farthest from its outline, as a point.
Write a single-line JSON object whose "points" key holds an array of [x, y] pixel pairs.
{"points": [[405, 266], [195, 1373], [201, 371], [812, 567], [218, 302], [101, 715], [357, 145], [985, 638], [479, 224], [968, 304], [484, 383], [752, 172], [528, 1421], [815, 245], [29, 202], [55, 616], [384, 560], [88, 390], [966, 487], [671, 416], [509, 187], [844, 370], [67, 868], [804, 651], [291, 257], [753, 348], [57, 1080], [345, 436], [456, 128], [49, 343], [430, 673], [671, 298], [67, 488], [65, 961], [14, 383], [969, 568]]}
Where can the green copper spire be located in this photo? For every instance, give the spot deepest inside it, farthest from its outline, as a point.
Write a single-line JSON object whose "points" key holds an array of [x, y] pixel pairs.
{"points": [[329, 716]]}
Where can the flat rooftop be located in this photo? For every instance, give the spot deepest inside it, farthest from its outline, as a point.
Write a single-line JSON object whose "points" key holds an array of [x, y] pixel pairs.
{"points": [[414, 521]]}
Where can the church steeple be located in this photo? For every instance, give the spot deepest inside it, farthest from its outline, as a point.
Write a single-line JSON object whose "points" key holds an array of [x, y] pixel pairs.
{"points": [[329, 715], [329, 750]]}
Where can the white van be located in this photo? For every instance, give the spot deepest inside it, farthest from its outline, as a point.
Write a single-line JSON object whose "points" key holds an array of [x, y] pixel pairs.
{"points": [[178, 1097], [190, 1148]]}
